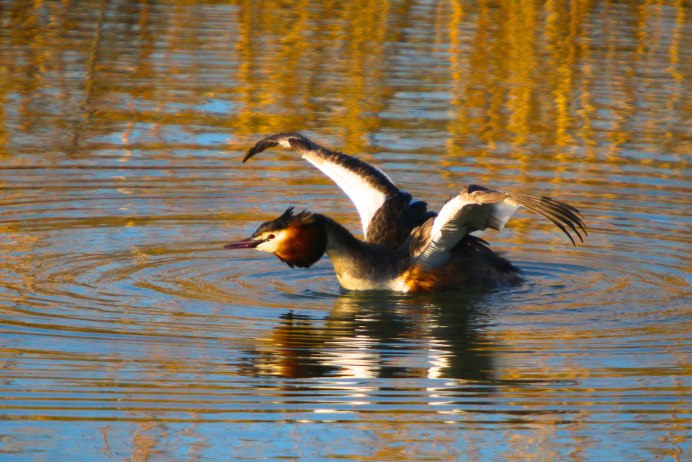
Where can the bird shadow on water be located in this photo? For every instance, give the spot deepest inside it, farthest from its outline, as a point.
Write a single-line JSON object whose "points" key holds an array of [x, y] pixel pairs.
{"points": [[380, 335]]}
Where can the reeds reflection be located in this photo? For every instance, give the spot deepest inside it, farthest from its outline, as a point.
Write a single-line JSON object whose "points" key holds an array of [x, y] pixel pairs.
{"points": [[527, 75]]}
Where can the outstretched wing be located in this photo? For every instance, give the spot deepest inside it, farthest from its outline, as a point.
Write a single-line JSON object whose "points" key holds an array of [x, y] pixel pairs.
{"points": [[478, 208], [387, 214]]}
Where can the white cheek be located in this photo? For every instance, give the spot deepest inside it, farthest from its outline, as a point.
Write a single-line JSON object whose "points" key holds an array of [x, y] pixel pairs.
{"points": [[269, 246], [272, 245]]}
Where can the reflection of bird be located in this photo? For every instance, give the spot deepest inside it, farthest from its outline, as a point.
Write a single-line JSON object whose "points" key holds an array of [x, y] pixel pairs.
{"points": [[406, 247]]}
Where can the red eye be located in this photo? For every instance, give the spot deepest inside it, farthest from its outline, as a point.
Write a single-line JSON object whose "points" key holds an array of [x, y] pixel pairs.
{"points": [[271, 236]]}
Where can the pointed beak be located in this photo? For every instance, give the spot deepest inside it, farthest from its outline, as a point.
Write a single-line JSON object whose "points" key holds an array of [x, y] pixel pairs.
{"points": [[248, 243]]}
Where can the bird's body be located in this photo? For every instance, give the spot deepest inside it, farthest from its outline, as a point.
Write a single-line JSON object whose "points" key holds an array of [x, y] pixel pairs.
{"points": [[406, 247]]}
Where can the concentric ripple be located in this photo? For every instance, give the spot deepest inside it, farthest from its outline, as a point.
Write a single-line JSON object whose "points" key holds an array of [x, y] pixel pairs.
{"points": [[121, 320]]}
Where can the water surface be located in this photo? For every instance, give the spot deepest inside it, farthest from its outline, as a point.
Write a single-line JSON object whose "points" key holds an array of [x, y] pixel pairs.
{"points": [[127, 332]]}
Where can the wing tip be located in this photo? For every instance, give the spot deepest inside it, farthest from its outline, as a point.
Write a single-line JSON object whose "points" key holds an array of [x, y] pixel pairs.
{"points": [[260, 146], [564, 216], [561, 214], [286, 139], [573, 217]]}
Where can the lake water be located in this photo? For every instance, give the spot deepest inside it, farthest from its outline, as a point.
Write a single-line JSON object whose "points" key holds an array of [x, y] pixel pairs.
{"points": [[128, 333]]}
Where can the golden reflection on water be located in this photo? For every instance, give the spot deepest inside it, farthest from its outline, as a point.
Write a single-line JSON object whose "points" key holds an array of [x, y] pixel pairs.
{"points": [[286, 66], [121, 128]]}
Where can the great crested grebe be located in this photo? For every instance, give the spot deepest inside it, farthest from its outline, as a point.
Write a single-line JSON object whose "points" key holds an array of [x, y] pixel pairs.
{"points": [[406, 247]]}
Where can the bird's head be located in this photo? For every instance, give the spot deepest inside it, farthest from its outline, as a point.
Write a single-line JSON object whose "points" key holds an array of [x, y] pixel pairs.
{"points": [[296, 239]]}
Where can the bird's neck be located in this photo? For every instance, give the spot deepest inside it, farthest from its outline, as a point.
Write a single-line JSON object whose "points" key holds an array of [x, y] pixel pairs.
{"points": [[358, 265]]}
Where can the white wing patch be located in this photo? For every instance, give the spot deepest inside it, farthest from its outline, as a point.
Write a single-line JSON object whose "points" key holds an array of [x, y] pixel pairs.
{"points": [[366, 198], [446, 231], [502, 212], [284, 143], [462, 215], [367, 186]]}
